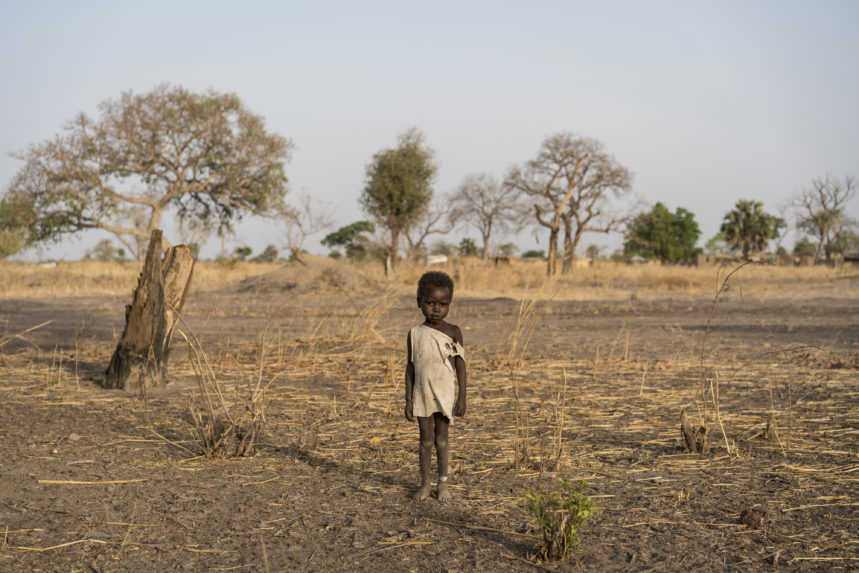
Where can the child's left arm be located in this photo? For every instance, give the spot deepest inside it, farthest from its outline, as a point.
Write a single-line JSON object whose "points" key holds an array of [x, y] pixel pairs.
{"points": [[461, 377]]}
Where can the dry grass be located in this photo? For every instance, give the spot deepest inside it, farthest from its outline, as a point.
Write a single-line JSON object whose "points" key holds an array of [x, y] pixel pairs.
{"points": [[613, 281], [473, 277], [611, 420], [227, 420], [584, 419], [90, 278]]}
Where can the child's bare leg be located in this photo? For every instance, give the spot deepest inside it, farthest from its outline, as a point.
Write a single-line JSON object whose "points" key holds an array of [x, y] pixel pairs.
{"points": [[441, 427], [427, 427]]}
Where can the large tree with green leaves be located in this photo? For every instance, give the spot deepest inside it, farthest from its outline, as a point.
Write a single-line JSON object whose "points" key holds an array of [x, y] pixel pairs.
{"points": [[661, 234], [399, 186], [352, 239], [13, 227], [204, 155], [748, 228]]}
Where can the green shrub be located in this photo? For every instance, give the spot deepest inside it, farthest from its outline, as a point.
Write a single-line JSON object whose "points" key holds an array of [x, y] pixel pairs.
{"points": [[534, 254], [560, 515]]}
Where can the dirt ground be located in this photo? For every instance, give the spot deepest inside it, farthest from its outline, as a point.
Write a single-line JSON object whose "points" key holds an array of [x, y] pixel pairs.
{"points": [[97, 480]]}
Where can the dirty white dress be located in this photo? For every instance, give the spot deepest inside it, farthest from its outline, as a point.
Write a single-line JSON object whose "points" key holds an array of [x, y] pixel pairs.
{"points": [[436, 386]]}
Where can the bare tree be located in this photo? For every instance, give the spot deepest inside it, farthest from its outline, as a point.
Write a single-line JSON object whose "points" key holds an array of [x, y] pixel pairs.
{"points": [[571, 181], [821, 209], [489, 207], [589, 209], [303, 221], [440, 218]]}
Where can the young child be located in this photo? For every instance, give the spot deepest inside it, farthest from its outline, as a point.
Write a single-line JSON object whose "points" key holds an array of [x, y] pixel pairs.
{"points": [[435, 377]]}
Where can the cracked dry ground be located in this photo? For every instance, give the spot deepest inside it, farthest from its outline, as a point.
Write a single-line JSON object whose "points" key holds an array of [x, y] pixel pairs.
{"points": [[330, 485]]}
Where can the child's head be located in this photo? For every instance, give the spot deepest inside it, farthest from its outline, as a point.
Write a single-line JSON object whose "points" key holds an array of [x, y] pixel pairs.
{"points": [[433, 280]]}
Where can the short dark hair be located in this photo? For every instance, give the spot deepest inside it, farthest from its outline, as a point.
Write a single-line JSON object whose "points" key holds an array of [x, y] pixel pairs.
{"points": [[433, 279]]}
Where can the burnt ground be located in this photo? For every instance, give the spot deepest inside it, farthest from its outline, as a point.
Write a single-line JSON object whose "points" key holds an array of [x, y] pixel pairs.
{"points": [[97, 480]]}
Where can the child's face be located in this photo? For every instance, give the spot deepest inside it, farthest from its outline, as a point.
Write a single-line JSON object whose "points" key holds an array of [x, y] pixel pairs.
{"points": [[436, 304]]}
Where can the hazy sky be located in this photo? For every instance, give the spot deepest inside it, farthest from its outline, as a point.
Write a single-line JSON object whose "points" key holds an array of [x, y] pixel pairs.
{"points": [[706, 102]]}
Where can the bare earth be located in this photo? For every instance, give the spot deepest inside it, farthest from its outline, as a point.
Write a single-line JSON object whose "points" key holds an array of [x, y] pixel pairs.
{"points": [[330, 486]]}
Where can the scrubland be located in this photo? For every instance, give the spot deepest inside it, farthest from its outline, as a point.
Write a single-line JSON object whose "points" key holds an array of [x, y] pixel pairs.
{"points": [[581, 377]]}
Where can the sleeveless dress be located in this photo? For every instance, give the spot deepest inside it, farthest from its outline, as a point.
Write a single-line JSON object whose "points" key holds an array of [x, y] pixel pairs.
{"points": [[436, 386]]}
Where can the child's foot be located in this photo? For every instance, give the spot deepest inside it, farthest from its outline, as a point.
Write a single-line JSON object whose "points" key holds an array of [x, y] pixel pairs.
{"points": [[423, 492], [443, 493]]}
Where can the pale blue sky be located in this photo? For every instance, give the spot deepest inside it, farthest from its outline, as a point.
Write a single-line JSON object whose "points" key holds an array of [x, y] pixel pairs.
{"points": [[706, 102]]}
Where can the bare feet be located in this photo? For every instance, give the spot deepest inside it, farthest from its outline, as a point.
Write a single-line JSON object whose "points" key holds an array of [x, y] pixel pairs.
{"points": [[423, 492], [443, 493]]}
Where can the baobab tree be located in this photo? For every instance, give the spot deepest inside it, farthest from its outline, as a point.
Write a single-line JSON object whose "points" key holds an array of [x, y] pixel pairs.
{"points": [[571, 182]]}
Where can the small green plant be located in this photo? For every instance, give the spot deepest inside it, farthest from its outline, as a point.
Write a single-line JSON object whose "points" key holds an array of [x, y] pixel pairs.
{"points": [[560, 515]]}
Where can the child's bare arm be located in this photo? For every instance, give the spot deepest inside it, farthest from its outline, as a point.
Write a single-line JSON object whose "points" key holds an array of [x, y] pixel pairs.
{"points": [[461, 377], [410, 380]]}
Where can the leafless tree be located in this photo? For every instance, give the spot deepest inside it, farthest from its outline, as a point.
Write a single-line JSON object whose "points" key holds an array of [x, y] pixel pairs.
{"points": [[571, 182], [590, 209], [304, 220], [489, 207], [821, 209], [440, 218]]}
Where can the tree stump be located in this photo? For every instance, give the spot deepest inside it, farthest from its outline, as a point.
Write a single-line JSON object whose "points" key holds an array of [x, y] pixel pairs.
{"points": [[687, 432], [140, 358], [694, 440]]}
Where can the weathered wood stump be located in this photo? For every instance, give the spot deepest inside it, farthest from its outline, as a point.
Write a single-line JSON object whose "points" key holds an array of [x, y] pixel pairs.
{"points": [[694, 440], [140, 358]]}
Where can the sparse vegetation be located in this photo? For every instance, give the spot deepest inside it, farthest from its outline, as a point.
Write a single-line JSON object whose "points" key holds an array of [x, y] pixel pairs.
{"points": [[560, 515], [227, 422], [599, 388]]}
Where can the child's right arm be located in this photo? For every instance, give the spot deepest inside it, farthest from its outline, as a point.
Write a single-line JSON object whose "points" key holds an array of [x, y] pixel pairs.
{"points": [[410, 380]]}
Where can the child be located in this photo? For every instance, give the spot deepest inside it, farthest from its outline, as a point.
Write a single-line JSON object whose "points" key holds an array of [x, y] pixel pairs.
{"points": [[435, 377]]}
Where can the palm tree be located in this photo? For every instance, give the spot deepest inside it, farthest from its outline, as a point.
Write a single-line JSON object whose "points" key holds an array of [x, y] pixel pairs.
{"points": [[748, 228]]}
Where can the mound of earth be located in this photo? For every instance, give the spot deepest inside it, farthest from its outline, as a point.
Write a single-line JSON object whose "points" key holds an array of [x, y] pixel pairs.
{"points": [[316, 275]]}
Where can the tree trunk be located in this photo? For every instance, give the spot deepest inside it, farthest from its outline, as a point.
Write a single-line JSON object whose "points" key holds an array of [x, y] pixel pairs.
{"points": [[395, 243], [485, 234], [568, 248], [551, 266], [140, 358], [177, 270], [389, 269]]}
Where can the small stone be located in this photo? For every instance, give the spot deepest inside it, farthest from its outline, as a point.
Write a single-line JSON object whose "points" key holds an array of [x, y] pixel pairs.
{"points": [[73, 437], [751, 518]]}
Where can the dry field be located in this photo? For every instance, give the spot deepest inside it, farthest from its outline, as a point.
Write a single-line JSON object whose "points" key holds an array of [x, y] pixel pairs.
{"points": [[582, 378]]}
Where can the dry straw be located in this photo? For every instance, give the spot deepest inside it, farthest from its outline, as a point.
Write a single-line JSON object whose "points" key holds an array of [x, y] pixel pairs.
{"points": [[225, 426]]}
